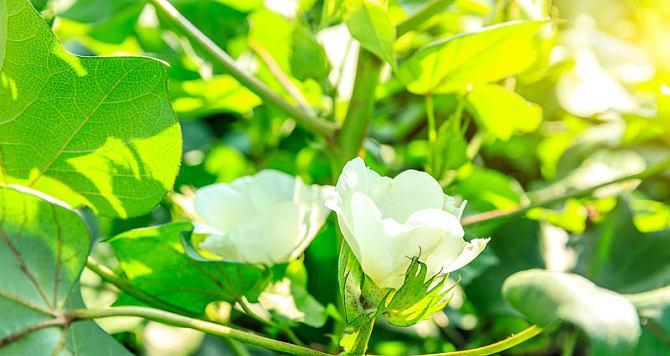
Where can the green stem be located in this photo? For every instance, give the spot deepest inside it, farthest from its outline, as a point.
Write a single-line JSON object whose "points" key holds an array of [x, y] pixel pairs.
{"points": [[192, 323], [122, 284], [503, 215], [429, 9], [360, 107], [310, 121], [432, 134], [363, 337], [499, 346]]}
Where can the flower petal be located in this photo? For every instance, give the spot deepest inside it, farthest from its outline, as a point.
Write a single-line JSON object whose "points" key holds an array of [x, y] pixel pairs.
{"points": [[409, 192], [222, 206], [471, 250], [268, 239]]}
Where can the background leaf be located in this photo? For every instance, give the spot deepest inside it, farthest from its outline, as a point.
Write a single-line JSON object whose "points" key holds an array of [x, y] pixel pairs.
{"points": [[154, 261], [89, 131], [488, 55], [608, 318], [502, 112], [369, 22]]}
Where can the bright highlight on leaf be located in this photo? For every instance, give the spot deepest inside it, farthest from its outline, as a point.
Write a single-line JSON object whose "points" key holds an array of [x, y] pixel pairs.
{"points": [[89, 131], [488, 55]]}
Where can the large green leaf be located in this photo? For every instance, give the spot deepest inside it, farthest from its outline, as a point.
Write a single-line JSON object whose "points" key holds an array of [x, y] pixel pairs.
{"points": [[608, 318], [369, 22], [154, 261], [502, 112], [488, 55], [617, 256], [88, 131], [43, 248]]}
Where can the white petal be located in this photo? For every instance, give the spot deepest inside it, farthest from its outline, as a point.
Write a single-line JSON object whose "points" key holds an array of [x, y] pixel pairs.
{"points": [[222, 206], [470, 252], [266, 188], [313, 213], [270, 238], [409, 192], [373, 242]]}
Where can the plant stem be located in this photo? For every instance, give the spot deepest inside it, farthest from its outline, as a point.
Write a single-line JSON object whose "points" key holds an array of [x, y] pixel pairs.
{"points": [[122, 284], [497, 215], [192, 323], [279, 74], [429, 9], [363, 337], [310, 121], [499, 346], [432, 134], [360, 108]]}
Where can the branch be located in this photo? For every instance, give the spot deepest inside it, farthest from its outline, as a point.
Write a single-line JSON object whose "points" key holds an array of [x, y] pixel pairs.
{"points": [[422, 15], [496, 215], [497, 347], [191, 323], [310, 121]]}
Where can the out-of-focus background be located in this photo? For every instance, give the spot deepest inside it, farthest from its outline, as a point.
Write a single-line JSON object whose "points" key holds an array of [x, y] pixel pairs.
{"points": [[595, 106]]}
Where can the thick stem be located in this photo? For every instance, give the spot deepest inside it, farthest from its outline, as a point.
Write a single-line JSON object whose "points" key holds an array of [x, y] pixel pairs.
{"points": [[310, 121], [429, 9], [192, 323], [499, 346], [360, 108], [498, 215], [363, 337]]}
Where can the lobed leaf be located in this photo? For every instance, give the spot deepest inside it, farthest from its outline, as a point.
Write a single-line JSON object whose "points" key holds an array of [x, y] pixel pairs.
{"points": [[44, 247], [86, 130]]}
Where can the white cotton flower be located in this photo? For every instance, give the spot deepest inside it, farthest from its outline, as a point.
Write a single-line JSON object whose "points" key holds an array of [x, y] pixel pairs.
{"points": [[267, 218], [387, 221]]}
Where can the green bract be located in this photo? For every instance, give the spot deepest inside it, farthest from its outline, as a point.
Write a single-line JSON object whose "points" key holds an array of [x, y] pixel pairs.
{"points": [[89, 131]]}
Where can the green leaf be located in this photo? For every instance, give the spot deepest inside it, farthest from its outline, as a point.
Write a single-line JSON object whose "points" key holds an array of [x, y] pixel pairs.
{"points": [[308, 59], [654, 309], [154, 261], [369, 22], [193, 99], [502, 112], [89, 131], [608, 318], [44, 249], [450, 147], [110, 21], [488, 55], [617, 256]]}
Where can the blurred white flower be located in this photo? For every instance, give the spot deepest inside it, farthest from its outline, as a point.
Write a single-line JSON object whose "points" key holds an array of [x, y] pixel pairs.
{"points": [[387, 221], [267, 218]]}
